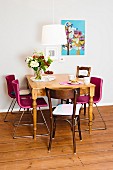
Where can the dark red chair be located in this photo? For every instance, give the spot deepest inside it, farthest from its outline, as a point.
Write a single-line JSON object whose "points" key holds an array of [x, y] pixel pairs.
{"points": [[26, 103], [23, 92], [97, 97]]}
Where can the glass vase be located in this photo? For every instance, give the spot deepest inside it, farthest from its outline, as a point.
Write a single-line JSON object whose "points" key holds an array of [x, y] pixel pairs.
{"points": [[38, 74]]}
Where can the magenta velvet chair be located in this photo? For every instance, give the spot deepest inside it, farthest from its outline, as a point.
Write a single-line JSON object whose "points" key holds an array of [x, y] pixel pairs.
{"points": [[11, 94], [23, 92], [26, 103], [97, 97]]}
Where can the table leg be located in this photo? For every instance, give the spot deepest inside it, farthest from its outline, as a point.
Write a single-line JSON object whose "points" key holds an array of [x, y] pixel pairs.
{"points": [[34, 118], [90, 111]]}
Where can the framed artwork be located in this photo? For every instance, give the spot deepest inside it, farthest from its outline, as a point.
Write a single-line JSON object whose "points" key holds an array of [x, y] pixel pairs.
{"points": [[51, 51], [75, 32]]}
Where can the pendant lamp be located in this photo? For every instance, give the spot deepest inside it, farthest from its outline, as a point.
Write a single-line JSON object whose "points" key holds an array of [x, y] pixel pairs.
{"points": [[53, 34]]}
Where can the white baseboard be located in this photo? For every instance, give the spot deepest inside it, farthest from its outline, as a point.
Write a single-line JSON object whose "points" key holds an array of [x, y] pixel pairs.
{"points": [[16, 109]]}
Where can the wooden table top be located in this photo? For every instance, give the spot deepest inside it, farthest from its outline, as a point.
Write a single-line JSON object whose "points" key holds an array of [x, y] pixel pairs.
{"points": [[59, 78]]}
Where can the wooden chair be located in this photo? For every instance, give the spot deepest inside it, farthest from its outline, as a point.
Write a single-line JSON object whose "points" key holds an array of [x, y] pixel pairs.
{"points": [[67, 112], [83, 71]]}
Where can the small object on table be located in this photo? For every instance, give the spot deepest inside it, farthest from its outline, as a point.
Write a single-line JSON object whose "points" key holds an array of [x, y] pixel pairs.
{"points": [[71, 77], [48, 72]]}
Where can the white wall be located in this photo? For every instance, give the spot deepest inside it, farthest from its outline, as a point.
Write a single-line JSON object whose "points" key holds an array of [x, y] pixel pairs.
{"points": [[20, 32]]}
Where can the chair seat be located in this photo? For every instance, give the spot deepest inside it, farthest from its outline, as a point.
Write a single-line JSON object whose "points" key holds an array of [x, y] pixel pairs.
{"points": [[41, 102], [85, 99], [28, 103], [66, 109]]}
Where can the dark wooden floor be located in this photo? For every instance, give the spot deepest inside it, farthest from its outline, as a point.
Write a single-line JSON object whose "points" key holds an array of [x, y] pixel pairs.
{"points": [[95, 152]]}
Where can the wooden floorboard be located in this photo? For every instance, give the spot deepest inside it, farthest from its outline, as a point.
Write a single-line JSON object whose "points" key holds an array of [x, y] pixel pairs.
{"points": [[94, 152]]}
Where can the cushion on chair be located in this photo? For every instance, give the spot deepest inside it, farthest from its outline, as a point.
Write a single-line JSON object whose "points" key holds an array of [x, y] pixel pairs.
{"points": [[66, 109], [24, 91], [83, 99], [41, 102]]}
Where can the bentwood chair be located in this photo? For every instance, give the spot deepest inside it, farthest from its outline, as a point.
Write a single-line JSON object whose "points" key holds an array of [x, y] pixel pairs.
{"points": [[23, 93], [67, 112], [26, 103], [97, 97], [82, 71]]}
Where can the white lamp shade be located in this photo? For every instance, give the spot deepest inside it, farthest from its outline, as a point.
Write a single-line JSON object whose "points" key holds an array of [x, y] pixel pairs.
{"points": [[53, 34]]}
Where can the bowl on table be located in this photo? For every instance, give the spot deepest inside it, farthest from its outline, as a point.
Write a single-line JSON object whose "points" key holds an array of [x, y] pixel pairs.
{"points": [[48, 72]]}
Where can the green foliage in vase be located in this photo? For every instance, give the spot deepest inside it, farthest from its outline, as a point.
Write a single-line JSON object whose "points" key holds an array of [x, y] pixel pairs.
{"points": [[38, 61]]}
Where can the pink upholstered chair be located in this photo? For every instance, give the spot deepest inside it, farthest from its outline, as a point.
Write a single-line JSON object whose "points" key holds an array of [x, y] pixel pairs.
{"points": [[23, 93], [67, 112], [26, 103], [97, 97]]}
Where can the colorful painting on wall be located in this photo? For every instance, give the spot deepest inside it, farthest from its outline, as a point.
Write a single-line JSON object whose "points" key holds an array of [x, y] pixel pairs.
{"points": [[75, 32]]}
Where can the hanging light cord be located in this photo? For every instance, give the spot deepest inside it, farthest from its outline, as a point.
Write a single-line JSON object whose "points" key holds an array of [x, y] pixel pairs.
{"points": [[53, 10]]}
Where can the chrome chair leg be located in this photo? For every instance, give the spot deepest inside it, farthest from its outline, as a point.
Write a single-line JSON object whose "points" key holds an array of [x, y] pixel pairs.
{"points": [[30, 136], [10, 107], [17, 125], [102, 120], [15, 128], [44, 122], [101, 128]]}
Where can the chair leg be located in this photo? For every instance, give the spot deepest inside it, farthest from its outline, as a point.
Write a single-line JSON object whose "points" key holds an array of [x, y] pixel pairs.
{"points": [[84, 109], [103, 128], [79, 129], [44, 120], [51, 134], [86, 118], [45, 123], [16, 126], [67, 101], [13, 102], [54, 127], [61, 101], [102, 120], [73, 134]]}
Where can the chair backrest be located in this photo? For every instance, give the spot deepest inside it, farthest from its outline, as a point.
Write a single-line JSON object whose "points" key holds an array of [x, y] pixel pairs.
{"points": [[62, 94], [83, 71], [15, 84], [9, 79], [98, 88]]}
